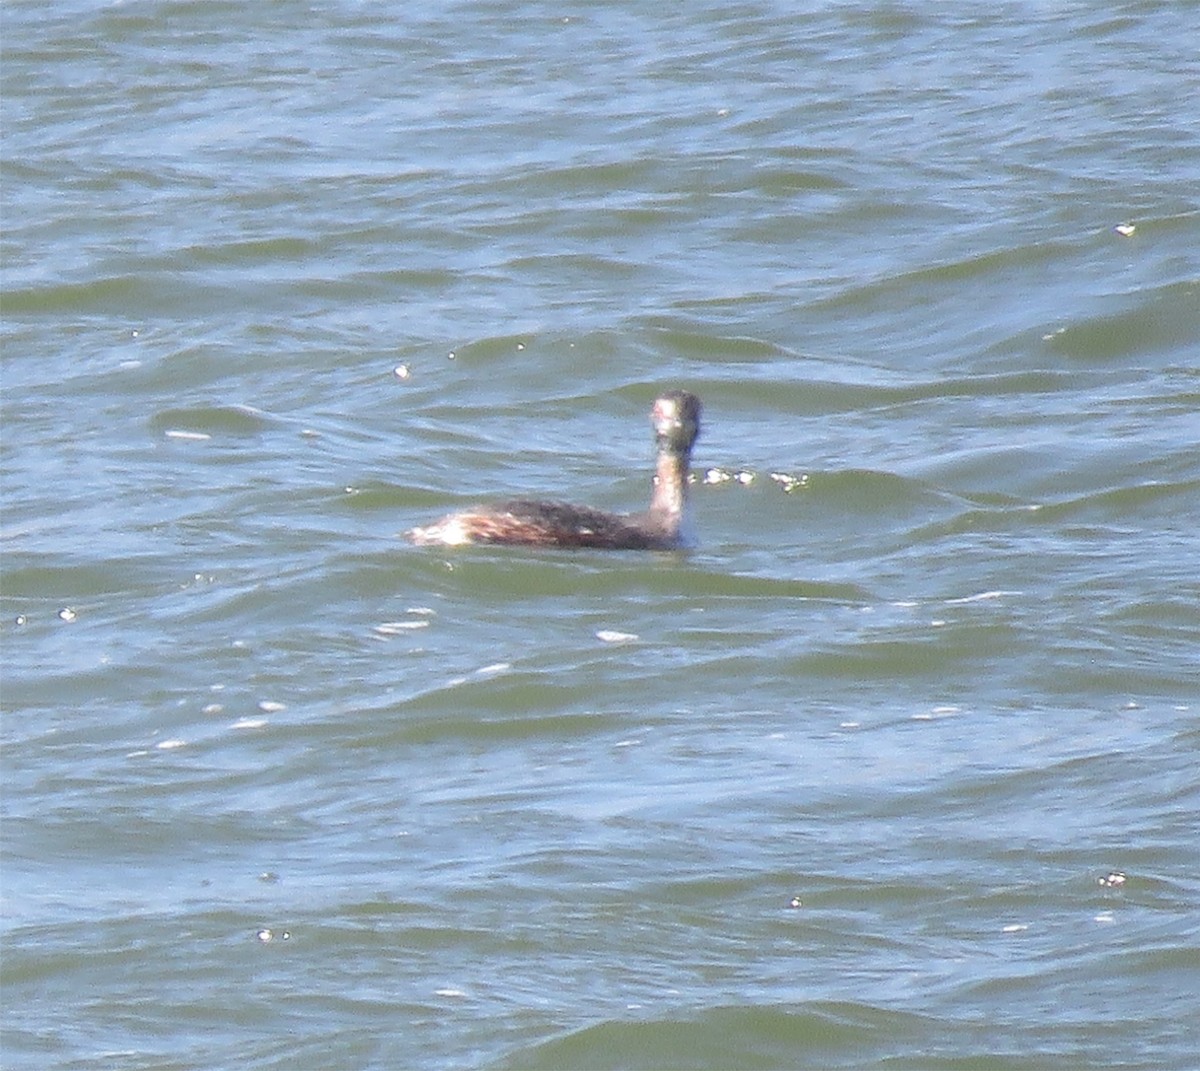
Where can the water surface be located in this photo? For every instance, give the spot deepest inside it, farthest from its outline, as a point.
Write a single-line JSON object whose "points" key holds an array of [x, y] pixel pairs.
{"points": [[897, 769]]}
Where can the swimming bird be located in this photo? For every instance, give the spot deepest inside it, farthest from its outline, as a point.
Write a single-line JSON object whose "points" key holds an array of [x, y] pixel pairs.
{"points": [[675, 417]]}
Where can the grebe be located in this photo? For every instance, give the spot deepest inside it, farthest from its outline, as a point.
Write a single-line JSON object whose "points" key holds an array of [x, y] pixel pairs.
{"points": [[526, 522]]}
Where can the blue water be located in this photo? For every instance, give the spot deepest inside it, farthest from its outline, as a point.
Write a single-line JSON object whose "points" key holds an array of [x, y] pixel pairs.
{"points": [[896, 769]]}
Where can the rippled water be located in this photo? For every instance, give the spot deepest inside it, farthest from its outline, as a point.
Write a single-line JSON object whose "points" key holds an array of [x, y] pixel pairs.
{"points": [[897, 769]]}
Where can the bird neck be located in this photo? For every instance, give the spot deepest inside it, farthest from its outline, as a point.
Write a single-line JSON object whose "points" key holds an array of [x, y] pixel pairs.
{"points": [[670, 483]]}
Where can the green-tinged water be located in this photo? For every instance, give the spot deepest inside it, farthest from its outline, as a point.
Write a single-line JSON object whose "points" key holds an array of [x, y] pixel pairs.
{"points": [[896, 769]]}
